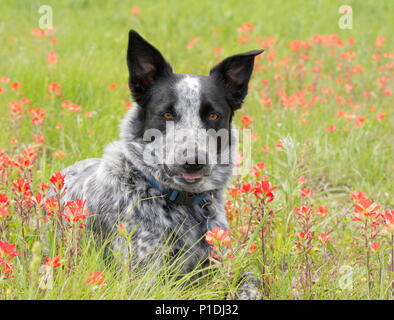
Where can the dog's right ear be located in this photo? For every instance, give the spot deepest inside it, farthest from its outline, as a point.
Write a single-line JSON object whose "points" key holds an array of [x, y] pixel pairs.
{"points": [[234, 72], [146, 65]]}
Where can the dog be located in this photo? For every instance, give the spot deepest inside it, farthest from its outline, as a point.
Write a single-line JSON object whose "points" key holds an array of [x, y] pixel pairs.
{"points": [[138, 184]]}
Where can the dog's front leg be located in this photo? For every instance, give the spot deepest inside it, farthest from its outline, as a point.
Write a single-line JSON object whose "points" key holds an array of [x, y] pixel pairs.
{"points": [[249, 288]]}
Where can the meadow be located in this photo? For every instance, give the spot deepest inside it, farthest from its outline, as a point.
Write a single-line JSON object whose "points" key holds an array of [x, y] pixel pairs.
{"points": [[313, 217]]}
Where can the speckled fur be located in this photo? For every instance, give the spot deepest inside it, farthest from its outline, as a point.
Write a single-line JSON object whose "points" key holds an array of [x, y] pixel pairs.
{"points": [[115, 188]]}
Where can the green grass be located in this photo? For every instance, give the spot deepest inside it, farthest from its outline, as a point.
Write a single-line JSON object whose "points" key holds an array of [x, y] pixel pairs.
{"points": [[91, 49]]}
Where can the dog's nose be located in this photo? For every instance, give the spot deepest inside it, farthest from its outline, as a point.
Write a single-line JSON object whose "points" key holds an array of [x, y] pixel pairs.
{"points": [[192, 165]]}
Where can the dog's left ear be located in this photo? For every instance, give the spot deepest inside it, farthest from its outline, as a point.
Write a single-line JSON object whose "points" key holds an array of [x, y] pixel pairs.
{"points": [[146, 65], [235, 72]]}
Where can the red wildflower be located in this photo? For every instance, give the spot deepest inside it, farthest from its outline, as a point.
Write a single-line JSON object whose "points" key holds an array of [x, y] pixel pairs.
{"points": [[217, 51], [217, 235], [322, 211], [135, 10], [43, 186], [357, 195], [376, 57], [23, 163], [15, 85], [379, 42], [252, 248], [75, 107], [30, 153], [38, 199], [305, 192], [51, 206], [365, 207], [58, 181], [375, 246], [265, 101], [54, 87], [257, 168], [7, 251], [6, 269], [388, 217], [348, 86], [246, 121], [3, 199], [40, 138], [191, 43], [60, 154], [260, 165], [96, 278], [332, 128], [75, 211], [302, 180], [265, 148], [304, 211], [299, 45], [38, 32], [38, 116], [246, 188], [21, 185], [51, 58], [4, 212], [53, 262], [234, 191], [324, 237], [121, 229], [247, 26], [304, 235], [265, 188]]}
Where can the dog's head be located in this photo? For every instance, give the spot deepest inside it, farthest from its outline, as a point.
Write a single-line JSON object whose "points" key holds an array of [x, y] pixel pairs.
{"points": [[180, 130]]}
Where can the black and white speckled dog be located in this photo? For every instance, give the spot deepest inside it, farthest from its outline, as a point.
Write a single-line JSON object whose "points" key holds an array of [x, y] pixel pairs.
{"points": [[184, 198]]}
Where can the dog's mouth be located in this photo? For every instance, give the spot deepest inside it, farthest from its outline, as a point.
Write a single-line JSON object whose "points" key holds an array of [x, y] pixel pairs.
{"points": [[186, 178], [189, 178]]}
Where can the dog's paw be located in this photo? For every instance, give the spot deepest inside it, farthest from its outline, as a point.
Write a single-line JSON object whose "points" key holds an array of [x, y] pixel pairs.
{"points": [[250, 288]]}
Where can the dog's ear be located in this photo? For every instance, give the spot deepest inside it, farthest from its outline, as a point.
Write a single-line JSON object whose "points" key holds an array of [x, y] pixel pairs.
{"points": [[146, 65], [234, 72]]}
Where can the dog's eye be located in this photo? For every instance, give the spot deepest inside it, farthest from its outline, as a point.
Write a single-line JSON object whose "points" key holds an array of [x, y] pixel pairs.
{"points": [[213, 116], [168, 115]]}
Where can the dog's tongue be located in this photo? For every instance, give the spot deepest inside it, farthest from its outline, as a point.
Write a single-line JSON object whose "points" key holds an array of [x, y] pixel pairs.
{"points": [[191, 176]]}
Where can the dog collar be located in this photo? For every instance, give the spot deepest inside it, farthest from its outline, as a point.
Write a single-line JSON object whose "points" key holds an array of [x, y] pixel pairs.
{"points": [[182, 197], [189, 199]]}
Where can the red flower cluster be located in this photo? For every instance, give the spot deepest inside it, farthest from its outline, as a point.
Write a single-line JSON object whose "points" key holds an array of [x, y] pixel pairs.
{"points": [[363, 206], [264, 189], [7, 253], [38, 116], [218, 240], [96, 278], [71, 106], [55, 87], [53, 262], [22, 189], [4, 202], [58, 181], [75, 211]]}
